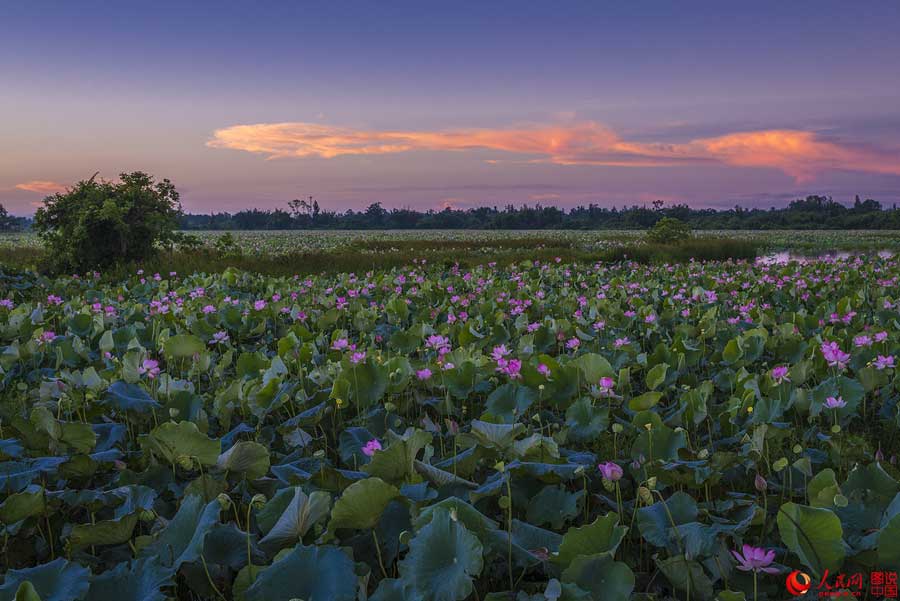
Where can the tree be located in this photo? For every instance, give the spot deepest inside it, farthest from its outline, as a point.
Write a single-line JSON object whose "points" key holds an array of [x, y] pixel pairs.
{"points": [[6, 221], [98, 224], [669, 230]]}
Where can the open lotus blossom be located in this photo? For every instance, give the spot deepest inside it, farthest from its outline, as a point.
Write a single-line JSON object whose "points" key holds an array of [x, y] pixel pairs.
{"points": [[358, 357], [607, 387], [220, 337], [423, 374], [780, 374], [150, 367], [835, 403], [47, 336], [755, 559], [882, 362], [834, 355], [611, 471], [370, 447]]}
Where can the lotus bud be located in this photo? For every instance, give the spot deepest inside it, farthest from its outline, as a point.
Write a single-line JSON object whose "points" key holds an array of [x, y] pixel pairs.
{"points": [[618, 428], [224, 501], [879, 456], [759, 483], [258, 501]]}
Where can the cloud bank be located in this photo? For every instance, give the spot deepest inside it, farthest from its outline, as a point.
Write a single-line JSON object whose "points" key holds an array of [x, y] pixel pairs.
{"points": [[800, 154]]}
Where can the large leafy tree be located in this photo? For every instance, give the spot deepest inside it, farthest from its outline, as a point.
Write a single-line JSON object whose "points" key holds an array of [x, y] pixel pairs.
{"points": [[96, 224]]}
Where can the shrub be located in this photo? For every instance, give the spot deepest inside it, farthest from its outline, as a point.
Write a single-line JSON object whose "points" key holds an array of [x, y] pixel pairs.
{"points": [[669, 230], [98, 224]]}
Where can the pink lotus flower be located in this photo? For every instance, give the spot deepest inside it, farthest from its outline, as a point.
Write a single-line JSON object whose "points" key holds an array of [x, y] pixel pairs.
{"points": [[543, 370], [835, 403], [358, 357], [219, 337], [423, 374], [834, 355], [370, 447], [47, 336], [607, 387], [149, 367], [340, 344], [780, 374], [259, 305], [611, 471], [755, 559], [883, 362], [573, 343]]}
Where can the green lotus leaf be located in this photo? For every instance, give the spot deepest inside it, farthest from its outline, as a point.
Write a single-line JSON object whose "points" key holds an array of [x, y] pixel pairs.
{"points": [[593, 367], [443, 558], [814, 535], [182, 442], [247, 458], [602, 576], [19, 506], [585, 421], [645, 401], [309, 573], [361, 504], [553, 506], [510, 401], [59, 580], [297, 517], [137, 581], [181, 541], [656, 376], [129, 397], [686, 575], [107, 532], [603, 535], [182, 346]]}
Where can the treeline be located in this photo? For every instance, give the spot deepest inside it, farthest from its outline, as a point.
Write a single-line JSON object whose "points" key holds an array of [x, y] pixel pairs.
{"points": [[812, 212]]}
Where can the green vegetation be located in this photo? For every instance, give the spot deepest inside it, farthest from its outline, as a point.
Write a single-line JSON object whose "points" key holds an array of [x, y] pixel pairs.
{"points": [[537, 429], [99, 224], [669, 230]]}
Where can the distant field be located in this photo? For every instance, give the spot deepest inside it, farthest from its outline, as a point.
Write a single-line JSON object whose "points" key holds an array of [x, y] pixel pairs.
{"points": [[297, 251]]}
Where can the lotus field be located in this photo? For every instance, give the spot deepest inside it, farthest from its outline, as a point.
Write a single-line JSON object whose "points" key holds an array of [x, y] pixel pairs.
{"points": [[535, 431]]}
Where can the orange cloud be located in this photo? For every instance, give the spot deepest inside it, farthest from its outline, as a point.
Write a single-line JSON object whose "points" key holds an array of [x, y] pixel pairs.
{"points": [[798, 153], [41, 186]]}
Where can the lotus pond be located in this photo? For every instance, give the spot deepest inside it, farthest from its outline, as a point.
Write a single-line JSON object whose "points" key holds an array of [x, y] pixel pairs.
{"points": [[538, 431]]}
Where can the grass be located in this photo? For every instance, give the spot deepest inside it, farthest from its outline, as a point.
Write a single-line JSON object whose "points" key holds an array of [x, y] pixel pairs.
{"points": [[376, 254]]}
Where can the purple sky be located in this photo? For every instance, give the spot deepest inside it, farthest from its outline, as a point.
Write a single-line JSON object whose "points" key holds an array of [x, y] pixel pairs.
{"points": [[428, 105]]}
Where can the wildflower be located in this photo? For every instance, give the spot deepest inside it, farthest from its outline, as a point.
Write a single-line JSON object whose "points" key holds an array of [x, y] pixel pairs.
{"points": [[755, 559], [611, 471], [780, 374], [370, 447], [835, 403]]}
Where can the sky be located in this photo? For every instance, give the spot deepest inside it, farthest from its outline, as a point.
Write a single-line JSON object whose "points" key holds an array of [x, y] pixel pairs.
{"points": [[457, 104]]}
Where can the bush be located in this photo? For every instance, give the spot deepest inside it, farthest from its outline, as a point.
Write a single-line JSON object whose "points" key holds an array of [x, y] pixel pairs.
{"points": [[98, 224], [669, 230]]}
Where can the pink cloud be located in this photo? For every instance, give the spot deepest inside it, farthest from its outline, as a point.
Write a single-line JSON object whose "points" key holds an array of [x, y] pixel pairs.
{"points": [[41, 186], [798, 153]]}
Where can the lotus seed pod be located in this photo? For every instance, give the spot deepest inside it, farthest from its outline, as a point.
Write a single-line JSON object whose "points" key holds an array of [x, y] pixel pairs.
{"points": [[224, 500], [780, 464], [703, 454], [836, 429], [609, 485], [797, 449], [503, 502], [645, 495], [651, 483], [145, 515], [618, 428], [258, 501], [390, 407]]}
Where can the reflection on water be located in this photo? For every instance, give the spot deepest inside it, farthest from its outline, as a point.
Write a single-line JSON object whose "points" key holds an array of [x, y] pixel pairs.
{"points": [[787, 256]]}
